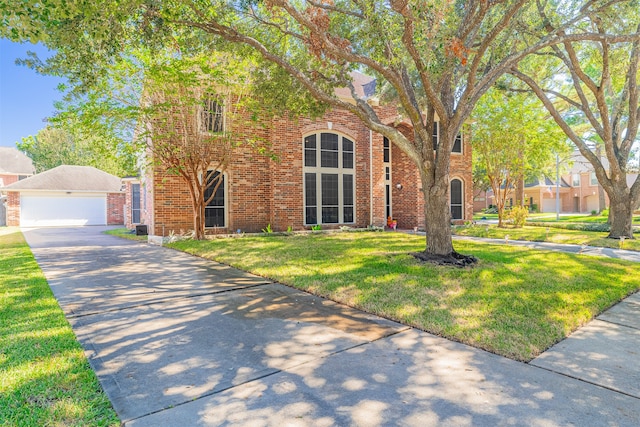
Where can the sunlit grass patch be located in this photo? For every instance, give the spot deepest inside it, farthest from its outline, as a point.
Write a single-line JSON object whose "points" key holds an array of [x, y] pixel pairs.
{"points": [[554, 235], [45, 378], [515, 302]]}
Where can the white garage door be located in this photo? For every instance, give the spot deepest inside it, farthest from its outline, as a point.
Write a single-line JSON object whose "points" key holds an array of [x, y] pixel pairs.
{"points": [[63, 210], [548, 205]]}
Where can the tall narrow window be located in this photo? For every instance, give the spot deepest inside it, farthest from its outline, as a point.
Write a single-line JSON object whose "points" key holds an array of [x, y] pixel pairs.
{"points": [[329, 184], [457, 144], [457, 197], [387, 176], [214, 211], [436, 133], [213, 115], [135, 203]]}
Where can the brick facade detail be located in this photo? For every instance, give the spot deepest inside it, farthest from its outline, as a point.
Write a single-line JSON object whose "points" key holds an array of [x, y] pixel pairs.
{"points": [[261, 191], [115, 208], [13, 209]]}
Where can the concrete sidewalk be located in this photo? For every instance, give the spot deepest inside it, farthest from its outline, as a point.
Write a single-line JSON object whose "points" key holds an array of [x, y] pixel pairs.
{"points": [[177, 340]]}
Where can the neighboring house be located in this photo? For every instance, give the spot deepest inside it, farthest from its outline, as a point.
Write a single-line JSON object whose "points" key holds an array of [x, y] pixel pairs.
{"points": [[332, 171], [66, 196], [14, 166], [578, 190]]}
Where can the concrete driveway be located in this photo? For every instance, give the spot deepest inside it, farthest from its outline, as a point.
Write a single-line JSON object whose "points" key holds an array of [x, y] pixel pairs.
{"points": [[177, 340]]}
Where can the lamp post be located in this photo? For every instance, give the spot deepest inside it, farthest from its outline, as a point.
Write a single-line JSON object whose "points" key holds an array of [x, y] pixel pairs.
{"points": [[557, 187]]}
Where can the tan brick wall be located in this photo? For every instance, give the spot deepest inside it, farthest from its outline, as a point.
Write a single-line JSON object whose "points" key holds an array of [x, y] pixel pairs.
{"points": [[115, 208], [6, 179], [13, 209]]}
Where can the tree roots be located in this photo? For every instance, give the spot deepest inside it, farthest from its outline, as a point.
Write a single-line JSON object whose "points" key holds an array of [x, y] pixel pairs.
{"points": [[454, 259]]}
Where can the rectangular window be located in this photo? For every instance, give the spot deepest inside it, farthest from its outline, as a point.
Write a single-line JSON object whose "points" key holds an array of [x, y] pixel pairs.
{"points": [[213, 115], [329, 150], [387, 173], [330, 198], [435, 135], [135, 203], [575, 180], [387, 200], [593, 178], [457, 144], [386, 149], [310, 197], [214, 209], [310, 151], [347, 153], [347, 197]]}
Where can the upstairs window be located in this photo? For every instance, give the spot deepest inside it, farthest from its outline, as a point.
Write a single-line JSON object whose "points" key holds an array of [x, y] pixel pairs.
{"points": [[457, 143], [575, 181], [213, 115]]}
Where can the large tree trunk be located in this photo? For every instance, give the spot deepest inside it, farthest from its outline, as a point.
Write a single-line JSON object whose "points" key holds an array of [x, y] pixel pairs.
{"points": [[438, 220], [620, 217], [520, 191], [437, 214]]}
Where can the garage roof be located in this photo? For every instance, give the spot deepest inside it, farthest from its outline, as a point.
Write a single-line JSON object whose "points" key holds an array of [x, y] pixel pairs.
{"points": [[70, 178]]}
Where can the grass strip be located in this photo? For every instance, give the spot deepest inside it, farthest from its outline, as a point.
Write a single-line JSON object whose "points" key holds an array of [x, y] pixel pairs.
{"points": [[554, 235], [516, 302], [45, 378]]}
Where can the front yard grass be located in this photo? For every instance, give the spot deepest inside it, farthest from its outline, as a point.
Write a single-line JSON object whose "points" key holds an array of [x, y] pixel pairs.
{"points": [[125, 233], [515, 302], [45, 378], [554, 235]]}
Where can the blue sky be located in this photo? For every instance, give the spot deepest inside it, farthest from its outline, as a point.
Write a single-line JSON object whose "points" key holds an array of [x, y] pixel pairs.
{"points": [[26, 98]]}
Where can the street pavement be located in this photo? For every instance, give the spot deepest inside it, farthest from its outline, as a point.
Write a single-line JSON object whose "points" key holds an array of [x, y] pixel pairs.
{"points": [[180, 341]]}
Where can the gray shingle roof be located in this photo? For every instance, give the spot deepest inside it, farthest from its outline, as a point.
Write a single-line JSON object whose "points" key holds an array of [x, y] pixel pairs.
{"points": [[15, 162], [70, 178]]}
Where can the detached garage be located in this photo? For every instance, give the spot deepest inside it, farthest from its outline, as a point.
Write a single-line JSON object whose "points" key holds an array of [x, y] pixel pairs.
{"points": [[66, 196]]}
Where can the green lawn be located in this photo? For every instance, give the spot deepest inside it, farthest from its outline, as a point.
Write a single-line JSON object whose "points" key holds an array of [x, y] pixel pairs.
{"points": [[45, 379], [516, 302], [554, 235], [551, 218], [126, 234]]}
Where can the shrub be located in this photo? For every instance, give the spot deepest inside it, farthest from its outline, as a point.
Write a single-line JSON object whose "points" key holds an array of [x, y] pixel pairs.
{"points": [[605, 212], [518, 216]]}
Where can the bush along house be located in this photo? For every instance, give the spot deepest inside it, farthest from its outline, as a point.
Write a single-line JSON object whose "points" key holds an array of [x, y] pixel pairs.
{"points": [[329, 172]]}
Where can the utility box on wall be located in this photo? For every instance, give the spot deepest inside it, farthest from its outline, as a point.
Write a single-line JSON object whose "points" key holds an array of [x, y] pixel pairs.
{"points": [[141, 230]]}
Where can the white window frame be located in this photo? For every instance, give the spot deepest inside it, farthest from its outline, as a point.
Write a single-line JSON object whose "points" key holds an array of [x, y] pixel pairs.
{"points": [[593, 180], [318, 170], [575, 178], [206, 113], [436, 133]]}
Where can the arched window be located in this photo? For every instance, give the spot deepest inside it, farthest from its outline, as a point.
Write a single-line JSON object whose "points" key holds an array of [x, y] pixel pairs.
{"points": [[214, 211], [457, 199], [329, 179]]}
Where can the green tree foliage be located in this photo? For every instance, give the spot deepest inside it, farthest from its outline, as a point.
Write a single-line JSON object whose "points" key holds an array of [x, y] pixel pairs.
{"points": [[513, 140], [591, 89], [437, 57], [53, 146]]}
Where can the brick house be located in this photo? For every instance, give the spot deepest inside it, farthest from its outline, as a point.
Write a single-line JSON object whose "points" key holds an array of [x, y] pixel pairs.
{"points": [[14, 166], [66, 196], [578, 189], [331, 171]]}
